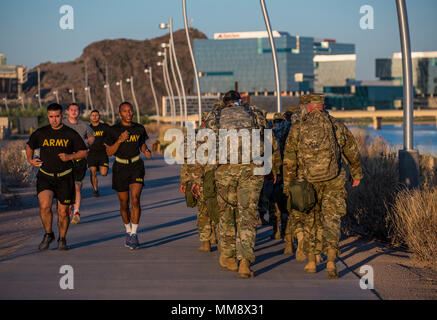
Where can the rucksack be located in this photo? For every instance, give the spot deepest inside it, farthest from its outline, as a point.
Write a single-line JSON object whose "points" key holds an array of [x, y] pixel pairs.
{"points": [[318, 148]]}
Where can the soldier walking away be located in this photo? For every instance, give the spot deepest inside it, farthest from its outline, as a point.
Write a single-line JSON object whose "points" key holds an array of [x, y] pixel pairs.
{"points": [[238, 188], [126, 141], [59, 145], [97, 157], [314, 151], [79, 165]]}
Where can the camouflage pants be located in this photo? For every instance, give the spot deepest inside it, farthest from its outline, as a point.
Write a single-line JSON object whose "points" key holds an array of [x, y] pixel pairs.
{"points": [[238, 191], [295, 224], [322, 225], [205, 225]]}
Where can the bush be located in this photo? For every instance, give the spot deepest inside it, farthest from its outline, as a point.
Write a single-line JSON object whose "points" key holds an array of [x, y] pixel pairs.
{"points": [[15, 170]]}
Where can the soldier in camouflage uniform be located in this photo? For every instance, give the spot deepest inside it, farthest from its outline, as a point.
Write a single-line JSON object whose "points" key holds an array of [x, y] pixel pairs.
{"points": [[302, 160], [238, 192]]}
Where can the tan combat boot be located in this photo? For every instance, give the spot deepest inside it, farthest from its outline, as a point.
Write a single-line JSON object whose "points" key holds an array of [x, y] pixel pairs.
{"points": [[288, 245], [300, 254], [331, 269], [244, 271], [228, 263], [311, 265], [205, 247], [276, 234]]}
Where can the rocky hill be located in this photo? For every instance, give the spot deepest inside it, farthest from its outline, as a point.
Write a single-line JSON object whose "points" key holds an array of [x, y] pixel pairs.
{"points": [[124, 58]]}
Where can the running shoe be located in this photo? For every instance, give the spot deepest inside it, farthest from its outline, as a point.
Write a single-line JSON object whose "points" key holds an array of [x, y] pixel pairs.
{"points": [[62, 244], [76, 218], [45, 243], [127, 244], [134, 243]]}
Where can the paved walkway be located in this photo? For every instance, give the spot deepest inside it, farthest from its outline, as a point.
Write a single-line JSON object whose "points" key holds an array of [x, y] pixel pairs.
{"points": [[167, 266]]}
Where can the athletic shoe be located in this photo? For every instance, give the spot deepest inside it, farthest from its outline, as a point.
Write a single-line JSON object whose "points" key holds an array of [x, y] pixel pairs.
{"points": [[76, 218], [45, 243], [127, 244], [62, 244], [96, 194], [134, 243]]}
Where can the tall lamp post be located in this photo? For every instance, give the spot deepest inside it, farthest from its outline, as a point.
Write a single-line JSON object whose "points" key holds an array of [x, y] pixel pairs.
{"points": [[149, 71], [120, 83], [164, 46], [56, 95], [131, 81], [170, 88], [5, 100], [162, 64], [39, 87], [173, 54], [275, 60], [408, 157], [196, 75], [108, 98], [22, 102], [72, 95]]}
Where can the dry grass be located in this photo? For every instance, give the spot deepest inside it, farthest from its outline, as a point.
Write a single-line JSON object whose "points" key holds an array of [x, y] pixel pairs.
{"points": [[15, 170]]}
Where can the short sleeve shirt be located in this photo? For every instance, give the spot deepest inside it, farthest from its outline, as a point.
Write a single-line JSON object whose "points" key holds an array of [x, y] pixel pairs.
{"points": [[100, 133], [132, 146], [53, 142], [81, 127]]}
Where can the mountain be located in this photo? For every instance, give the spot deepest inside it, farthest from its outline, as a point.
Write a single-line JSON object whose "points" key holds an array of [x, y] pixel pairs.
{"points": [[124, 58]]}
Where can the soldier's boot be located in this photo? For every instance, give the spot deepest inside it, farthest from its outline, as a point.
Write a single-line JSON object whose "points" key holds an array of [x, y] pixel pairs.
{"points": [[244, 271], [205, 247], [288, 245], [311, 265], [318, 259], [276, 234], [260, 222], [228, 263], [331, 269], [300, 254]]}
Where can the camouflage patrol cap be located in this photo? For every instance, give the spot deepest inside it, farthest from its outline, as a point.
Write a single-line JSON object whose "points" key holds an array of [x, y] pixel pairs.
{"points": [[316, 98], [304, 99], [278, 116], [292, 109]]}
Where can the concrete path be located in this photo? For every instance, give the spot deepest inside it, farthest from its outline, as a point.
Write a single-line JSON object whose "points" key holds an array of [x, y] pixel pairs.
{"points": [[167, 266]]}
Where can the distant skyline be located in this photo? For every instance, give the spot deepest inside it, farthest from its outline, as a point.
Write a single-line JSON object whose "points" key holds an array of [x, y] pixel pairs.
{"points": [[31, 34]]}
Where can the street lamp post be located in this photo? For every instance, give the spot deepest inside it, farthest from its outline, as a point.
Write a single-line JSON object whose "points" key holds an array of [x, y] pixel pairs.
{"points": [[131, 81], [108, 98], [72, 95], [56, 95], [170, 88], [39, 86], [120, 83], [149, 71], [166, 45], [275, 60], [162, 64], [173, 53], [196, 76], [408, 157], [22, 102], [6, 104]]}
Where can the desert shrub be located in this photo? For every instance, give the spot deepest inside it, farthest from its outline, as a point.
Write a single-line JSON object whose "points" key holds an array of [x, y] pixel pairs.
{"points": [[15, 170]]}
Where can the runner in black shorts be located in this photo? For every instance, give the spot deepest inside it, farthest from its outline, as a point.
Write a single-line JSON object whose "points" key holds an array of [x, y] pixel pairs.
{"points": [[126, 141], [58, 145], [97, 157]]}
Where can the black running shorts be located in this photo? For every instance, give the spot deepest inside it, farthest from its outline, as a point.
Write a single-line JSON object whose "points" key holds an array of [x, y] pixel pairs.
{"points": [[125, 174], [98, 159], [62, 187], [79, 169]]}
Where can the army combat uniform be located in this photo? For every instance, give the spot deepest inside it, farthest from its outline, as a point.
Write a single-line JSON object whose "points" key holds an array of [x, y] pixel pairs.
{"points": [[322, 225]]}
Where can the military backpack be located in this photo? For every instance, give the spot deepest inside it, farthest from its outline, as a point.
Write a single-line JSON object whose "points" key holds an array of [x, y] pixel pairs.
{"points": [[318, 148]]}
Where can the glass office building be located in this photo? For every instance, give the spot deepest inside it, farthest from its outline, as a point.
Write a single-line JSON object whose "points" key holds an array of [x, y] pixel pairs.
{"points": [[245, 58]]}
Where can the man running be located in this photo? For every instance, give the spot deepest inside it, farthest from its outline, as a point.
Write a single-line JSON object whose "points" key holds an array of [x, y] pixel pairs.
{"points": [[80, 166], [97, 157], [58, 145], [126, 140]]}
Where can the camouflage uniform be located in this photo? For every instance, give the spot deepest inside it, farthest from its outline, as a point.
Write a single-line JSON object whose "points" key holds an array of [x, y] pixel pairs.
{"points": [[322, 224], [238, 192]]}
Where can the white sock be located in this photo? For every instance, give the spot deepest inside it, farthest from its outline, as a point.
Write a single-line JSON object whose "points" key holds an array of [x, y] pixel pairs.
{"points": [[128, 228], [134, 228]]}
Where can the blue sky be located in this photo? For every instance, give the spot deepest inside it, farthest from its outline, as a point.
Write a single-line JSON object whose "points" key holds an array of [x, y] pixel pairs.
{"points": [[30, 32]]}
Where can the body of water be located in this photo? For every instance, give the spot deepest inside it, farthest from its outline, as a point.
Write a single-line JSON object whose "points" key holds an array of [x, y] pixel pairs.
{"points": [[424, 136]]}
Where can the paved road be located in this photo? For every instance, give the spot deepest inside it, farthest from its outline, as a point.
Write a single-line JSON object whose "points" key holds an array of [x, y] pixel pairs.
{"points": [[167, 266]]}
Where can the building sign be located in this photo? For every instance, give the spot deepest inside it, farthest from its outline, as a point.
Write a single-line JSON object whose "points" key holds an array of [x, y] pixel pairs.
{"points": [[245, 35]]}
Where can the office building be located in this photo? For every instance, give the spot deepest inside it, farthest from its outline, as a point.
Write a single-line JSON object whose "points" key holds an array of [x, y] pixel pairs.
{"points": [[11, 78]]}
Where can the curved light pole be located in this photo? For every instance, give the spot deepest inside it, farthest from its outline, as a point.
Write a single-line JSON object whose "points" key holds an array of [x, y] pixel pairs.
{"points": [[273, 47], [149, 71], [120, 83], [88, 96], [22, 102], [39, 86], [175, 80], [72, 95], [167, 78], [56, 95], [131, 81], [173, 53], [6, 104], [196, 75], [108, 97], [161, 64]]}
